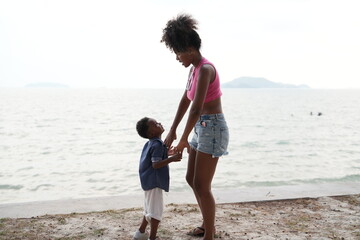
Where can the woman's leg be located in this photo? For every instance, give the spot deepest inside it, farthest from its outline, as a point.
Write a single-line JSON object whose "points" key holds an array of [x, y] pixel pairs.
{"points": [[204, 170], [190, 180], [190, 173]]}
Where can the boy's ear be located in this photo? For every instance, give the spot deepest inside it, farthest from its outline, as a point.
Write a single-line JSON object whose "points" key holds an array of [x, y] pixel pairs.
{"points": [[149, 133]]}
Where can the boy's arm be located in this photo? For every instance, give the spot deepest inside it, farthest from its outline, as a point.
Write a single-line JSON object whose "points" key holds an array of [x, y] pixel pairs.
{"points": [[174, 158]]}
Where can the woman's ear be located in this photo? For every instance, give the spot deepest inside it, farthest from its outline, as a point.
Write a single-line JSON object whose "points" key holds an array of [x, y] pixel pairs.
{"points": [[192, 51]]}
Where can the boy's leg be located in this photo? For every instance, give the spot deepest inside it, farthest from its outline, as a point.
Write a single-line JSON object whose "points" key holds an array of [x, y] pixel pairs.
{"points": [[141, 233], [155, 209], [143, 225], [154, 227]]}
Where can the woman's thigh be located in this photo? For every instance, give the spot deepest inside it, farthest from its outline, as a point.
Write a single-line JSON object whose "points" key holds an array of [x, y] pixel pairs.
{"points": [[191, 167], [205, 167]]}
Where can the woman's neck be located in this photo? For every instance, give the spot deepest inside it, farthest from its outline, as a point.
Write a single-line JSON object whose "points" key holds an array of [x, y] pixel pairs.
{"points": [[197, 59]]}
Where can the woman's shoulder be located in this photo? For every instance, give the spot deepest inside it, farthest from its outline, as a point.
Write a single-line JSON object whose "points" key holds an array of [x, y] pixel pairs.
{"points": [[207, 66], [205, 61]]}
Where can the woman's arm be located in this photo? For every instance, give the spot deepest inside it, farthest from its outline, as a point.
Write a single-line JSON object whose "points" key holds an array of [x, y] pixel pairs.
{"points": [[182, 108], [206, 75]]}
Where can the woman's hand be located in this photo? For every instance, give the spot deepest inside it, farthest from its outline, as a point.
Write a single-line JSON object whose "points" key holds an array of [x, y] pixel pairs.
{"points": [[181, 145], [170, 138]]}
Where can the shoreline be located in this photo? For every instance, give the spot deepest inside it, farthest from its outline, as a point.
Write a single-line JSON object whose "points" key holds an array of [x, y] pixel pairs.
{"points": [[229, 196]]}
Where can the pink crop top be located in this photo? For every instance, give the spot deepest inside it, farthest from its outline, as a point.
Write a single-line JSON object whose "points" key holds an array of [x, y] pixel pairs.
{"points": [[213, 91]]}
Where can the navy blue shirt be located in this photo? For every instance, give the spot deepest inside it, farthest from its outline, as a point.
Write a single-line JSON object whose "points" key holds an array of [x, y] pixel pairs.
{"points": [[154, 150]]}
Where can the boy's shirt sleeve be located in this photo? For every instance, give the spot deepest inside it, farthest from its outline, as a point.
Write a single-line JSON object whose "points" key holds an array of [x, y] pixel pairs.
{"points": [[157, 153]]}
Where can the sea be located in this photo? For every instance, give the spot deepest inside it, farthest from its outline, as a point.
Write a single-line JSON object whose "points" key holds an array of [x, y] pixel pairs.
{"points": [[80, 143]]}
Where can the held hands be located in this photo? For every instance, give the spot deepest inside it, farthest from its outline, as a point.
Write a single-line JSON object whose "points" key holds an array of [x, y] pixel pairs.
{"points": [[179, 148], [171, 151], [176, 158], [175, 155], [181, 145]]}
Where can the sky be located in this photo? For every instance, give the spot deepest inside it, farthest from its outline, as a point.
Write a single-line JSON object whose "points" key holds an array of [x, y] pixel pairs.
{"points": [[116, 44]]}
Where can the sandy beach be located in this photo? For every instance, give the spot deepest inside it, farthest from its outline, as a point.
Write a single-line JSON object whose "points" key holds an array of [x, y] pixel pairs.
{"points": [[304, 218]]}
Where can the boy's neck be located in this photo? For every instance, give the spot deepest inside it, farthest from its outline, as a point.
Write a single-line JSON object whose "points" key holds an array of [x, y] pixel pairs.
{"points": [[155, 136]]}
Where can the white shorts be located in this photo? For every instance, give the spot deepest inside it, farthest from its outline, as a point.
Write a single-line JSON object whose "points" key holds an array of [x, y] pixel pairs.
{"points": [[153, 204]]}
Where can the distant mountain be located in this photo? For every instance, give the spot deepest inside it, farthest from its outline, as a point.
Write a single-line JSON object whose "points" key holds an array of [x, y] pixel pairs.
{"points": [[253, 82], [46, 85]]}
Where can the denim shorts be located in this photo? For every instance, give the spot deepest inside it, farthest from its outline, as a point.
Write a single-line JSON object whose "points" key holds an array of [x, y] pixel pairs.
{"points": [[211, 135]]}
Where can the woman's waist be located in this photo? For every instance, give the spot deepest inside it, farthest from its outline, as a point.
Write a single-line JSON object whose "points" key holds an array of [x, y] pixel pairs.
{"points": [[213, 107], [211, 116]]}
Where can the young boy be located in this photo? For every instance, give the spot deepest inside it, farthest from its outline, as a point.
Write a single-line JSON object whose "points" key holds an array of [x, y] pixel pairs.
{"points": [[154, 175]]}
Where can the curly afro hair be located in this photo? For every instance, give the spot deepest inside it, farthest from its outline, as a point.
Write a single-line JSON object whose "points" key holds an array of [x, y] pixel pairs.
{"points": [[179, 34], [142, 127]]}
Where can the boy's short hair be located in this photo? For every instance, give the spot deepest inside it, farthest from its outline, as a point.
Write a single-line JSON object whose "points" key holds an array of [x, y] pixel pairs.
{"points": [[142, 127]]}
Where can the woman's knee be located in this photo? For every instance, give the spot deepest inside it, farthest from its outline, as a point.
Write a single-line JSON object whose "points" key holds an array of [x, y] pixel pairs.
{"points": [[190, 180], [201, 188]]}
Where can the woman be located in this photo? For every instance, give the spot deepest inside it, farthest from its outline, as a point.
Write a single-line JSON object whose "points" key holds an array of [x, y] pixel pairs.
{"points": [[203, 96]]}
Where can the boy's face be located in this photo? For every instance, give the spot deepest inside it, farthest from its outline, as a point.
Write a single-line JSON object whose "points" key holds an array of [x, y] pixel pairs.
{"points": [[155, 128]]}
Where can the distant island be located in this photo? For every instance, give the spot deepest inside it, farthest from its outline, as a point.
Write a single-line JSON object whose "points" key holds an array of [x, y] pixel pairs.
{"points": [[46, 85], [253, 82]]}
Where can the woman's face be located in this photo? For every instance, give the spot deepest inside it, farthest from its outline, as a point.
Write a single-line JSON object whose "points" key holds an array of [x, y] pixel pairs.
{"points": [[184, 57]]}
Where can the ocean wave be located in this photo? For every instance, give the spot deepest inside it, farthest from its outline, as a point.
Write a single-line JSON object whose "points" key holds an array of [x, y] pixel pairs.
{"points": [[265, 183], [94, 180], [251, 145], [11, 187], [283, 142], [25, 169], [41, 186], [347, 178]]}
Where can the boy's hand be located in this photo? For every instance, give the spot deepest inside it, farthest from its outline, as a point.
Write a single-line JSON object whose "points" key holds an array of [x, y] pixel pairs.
{"points": [[176, 157], [171, 151]]}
